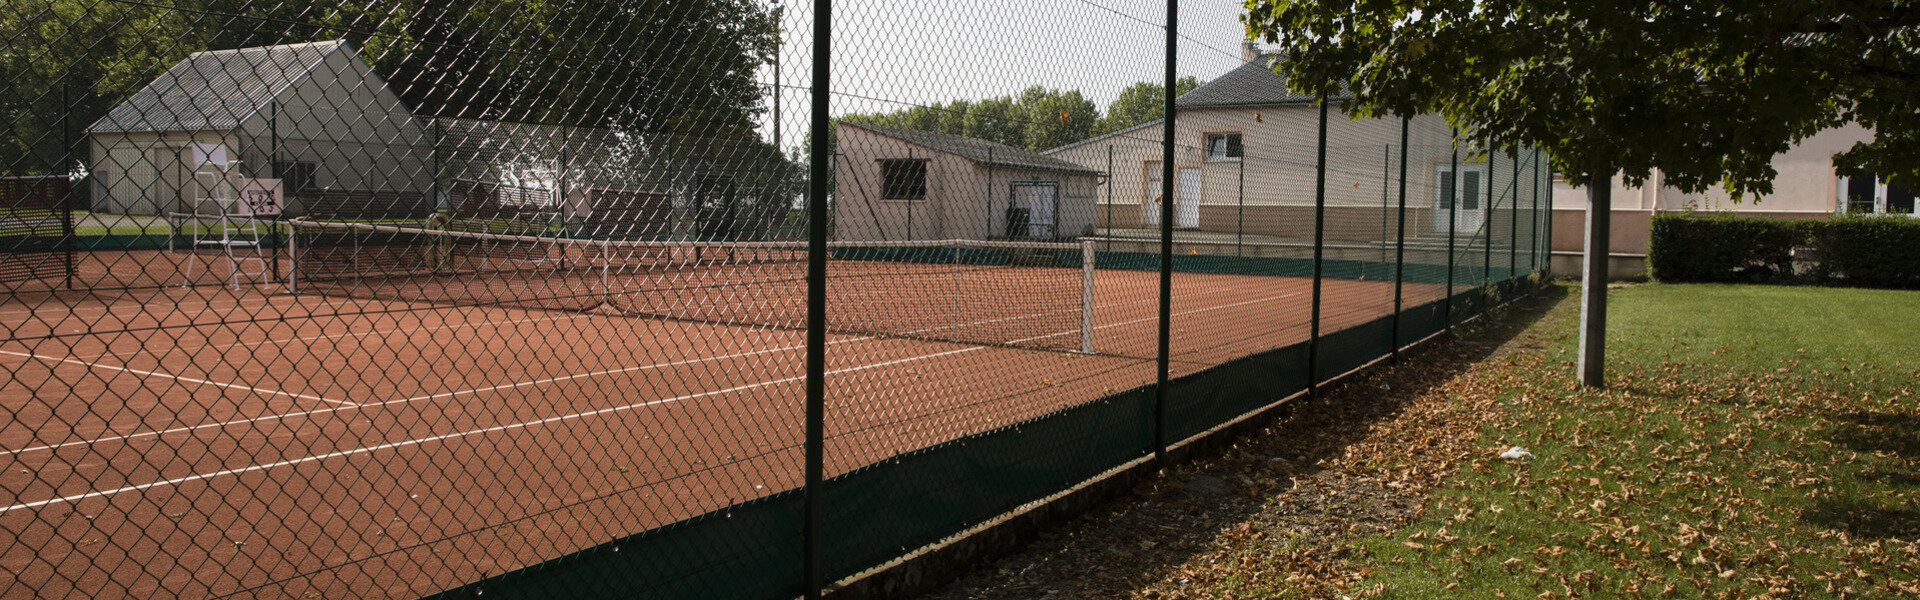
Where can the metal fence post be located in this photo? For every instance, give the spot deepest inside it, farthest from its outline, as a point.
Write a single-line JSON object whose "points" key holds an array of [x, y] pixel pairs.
{"points": [[1533, 241], [817, 299], [1166, 238], [1452, 200], [1486, 229], [1548, 242], [67, 204], [1400, 245], [1542, 215], [1513, 222], [1319, 247]]}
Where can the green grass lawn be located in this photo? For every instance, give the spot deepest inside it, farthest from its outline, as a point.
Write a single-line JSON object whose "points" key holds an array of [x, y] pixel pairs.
{"points": [[1755, 442]]}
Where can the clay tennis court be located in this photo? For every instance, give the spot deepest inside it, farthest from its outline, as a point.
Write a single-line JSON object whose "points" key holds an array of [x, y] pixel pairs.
{"points": [[211, 442]]}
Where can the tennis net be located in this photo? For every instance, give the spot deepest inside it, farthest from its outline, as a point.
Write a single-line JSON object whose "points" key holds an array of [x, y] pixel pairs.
{"points": [[1006, 293]]}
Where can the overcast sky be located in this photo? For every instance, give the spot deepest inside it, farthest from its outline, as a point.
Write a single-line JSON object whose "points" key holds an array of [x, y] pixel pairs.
{"points": [[890, 54]]}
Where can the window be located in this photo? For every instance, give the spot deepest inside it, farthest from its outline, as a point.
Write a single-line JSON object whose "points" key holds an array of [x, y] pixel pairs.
{"points": [[1470, 192], [294, 176], [1223, 146], [1869, 194], [1151, 188], [903, 179]]}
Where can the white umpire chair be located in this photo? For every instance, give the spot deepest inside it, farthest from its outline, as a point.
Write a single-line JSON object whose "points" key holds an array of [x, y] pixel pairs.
{"points": [[232, 215]]}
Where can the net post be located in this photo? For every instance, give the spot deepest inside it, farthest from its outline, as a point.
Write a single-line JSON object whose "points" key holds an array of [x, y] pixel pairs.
{"points": [[293, 253], [1086, 296]]}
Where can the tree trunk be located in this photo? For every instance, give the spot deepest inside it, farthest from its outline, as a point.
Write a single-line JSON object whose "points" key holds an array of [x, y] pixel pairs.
{"points": [[1593, 281]]}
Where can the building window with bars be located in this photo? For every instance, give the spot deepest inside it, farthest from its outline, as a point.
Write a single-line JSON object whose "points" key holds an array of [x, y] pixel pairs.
{"points": [[1223, 147], [903, 179]]}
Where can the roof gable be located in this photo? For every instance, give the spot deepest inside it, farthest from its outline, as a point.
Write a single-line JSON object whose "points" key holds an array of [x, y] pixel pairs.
{"points": [[981, 152], [215, 90], [1250, 84]]}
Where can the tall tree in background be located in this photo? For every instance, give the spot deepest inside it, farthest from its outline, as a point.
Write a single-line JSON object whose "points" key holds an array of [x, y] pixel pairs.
{"points": [[1142, 103], [1039, 118], [1057, 117], [655, 67], [1706, 92]]}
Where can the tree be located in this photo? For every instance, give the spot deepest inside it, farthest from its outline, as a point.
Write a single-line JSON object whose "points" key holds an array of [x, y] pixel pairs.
{"points": [[1056, 118], [1706, 92], [1038, 119], [1142, 102], [997, 120], [656, 67]]}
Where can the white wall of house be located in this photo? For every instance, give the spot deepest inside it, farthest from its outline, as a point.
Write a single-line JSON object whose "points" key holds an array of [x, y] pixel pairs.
{"points": [[1805, 184], [964, 200], [1805, 187], [1270, 189]]}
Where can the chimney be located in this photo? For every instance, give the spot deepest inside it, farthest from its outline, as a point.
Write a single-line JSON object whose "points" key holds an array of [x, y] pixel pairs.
{"points": [[1248, 51]]}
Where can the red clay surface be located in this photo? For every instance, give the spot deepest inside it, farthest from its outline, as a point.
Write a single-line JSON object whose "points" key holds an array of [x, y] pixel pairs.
{"points": [[200, 442]]}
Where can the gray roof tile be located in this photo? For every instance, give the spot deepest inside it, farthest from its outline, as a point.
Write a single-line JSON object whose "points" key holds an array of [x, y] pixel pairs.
{"points": [[1250, 84], [979, 151], [214, 90]]}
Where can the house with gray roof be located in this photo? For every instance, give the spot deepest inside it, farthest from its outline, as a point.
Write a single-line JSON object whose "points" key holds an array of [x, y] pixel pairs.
{"points": [[312, 119], [1245, 156], [904, 184]]}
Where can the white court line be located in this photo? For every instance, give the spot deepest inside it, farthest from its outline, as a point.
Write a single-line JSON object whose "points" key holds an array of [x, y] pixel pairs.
{"points": [[537, 422], [139, 300], [462, 434], [316, 338], [157, 375], [277, 417]]}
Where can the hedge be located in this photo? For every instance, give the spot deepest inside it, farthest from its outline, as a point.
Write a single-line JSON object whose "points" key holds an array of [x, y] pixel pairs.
{"points": [[1850, 249], [1720, 247], [1866, 251]]}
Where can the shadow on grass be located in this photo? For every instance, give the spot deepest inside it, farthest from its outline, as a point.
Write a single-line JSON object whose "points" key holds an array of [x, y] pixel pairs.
{"points": [[1130, 542], [1894, 433], [1863, 519]]}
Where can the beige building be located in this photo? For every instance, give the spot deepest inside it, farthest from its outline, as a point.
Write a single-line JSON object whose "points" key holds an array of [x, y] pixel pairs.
{"points": [[904, 184], [1246, 156], [1806, 187], [311, 118]]}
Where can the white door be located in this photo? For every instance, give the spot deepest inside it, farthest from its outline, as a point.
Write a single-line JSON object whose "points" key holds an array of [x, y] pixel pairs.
{"points": [[1038, 199], [1187, 212], [1458, 203], [1150, 195]]}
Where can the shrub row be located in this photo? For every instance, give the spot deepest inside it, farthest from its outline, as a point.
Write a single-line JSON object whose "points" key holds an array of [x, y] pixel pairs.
{"points": [[1846, 250]]}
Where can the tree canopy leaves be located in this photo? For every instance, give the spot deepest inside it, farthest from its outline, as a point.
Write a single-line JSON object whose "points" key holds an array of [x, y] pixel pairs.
{"points": [[1037, 119], [1142, 103], [667, 67], [1706, 92]]}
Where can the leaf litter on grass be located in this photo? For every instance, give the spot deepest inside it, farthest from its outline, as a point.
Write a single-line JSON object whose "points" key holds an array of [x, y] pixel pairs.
{"points": [[1684, 479]]}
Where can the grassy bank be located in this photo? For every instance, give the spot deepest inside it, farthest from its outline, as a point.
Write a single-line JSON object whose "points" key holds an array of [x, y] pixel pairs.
{"points": [[1754, 442]]}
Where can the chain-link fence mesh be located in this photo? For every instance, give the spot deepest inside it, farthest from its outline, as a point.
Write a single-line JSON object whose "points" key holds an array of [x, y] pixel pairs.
{"points": [[398, 299]]}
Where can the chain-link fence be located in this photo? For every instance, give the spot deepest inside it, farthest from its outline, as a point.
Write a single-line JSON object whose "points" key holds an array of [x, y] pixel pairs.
{"points": [[648, 298]]}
